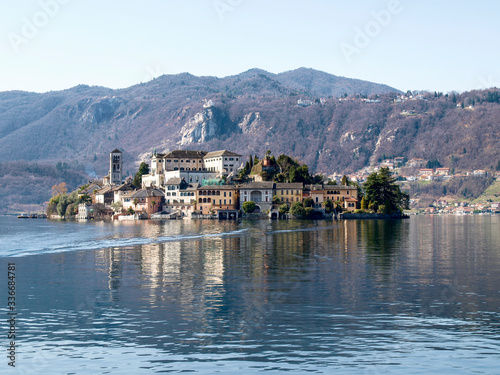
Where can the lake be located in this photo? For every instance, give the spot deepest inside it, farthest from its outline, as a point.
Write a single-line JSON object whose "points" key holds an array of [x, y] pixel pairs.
{"points": [[416, 296]]}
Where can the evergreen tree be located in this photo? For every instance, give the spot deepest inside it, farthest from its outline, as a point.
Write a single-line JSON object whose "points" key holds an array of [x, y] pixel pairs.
{"points": [[143, 169], [381, 190], [364, 203], [345, 180]]}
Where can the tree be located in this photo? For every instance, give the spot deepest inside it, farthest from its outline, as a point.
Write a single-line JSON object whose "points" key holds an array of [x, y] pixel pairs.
{"points": [[331, 182], [59, 189], [249, 207], [117, 206], [329, 206], [431, 164], [85, 198], [143, 169], [276, 200], [284, 208], [62, 205], [256, 160], [308, 202], [297, 209], [364, 203], [345, 180], [381, 189], [338, 206]]}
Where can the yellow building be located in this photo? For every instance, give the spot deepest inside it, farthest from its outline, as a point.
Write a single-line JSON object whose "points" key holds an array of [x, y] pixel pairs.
{"points": [[212, 199], [346, 194], [289, 192]]}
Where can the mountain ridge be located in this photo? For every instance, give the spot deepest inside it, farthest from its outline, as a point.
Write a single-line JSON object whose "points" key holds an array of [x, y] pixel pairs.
{"points": [[250, 113]]}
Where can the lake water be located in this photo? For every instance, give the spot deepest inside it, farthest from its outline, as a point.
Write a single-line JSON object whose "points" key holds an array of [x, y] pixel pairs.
{"points": [[419, 296]]}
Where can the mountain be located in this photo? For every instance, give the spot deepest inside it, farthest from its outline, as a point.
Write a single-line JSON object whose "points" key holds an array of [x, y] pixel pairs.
{"points": [[324, 84], [247, 113]]}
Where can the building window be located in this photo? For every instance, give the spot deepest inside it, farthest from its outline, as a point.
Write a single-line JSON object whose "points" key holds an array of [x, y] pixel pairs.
{"points": [[224, 193]]}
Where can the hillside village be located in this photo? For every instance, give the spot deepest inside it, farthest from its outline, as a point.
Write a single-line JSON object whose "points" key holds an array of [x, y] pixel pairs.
{"points": [[418, 170], [188, 183]]}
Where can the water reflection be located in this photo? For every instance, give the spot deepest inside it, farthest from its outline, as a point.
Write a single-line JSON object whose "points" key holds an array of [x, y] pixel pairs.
{"points": [[360, 295]]}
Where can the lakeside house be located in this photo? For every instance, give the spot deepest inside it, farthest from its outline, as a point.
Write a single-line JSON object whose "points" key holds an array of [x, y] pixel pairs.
{"points": [[219, 200]]}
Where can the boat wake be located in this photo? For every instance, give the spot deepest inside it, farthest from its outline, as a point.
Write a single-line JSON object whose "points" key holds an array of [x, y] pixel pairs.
{"points": [[115, 243]]}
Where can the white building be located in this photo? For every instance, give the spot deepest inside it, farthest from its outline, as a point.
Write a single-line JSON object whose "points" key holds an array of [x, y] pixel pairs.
{"points": [[180, 196], [193, 166], [224, 162], [259, 192]]}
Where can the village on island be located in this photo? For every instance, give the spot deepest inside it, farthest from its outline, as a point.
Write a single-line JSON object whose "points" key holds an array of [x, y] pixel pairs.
{"points": [[217, 185], [226, 185]]}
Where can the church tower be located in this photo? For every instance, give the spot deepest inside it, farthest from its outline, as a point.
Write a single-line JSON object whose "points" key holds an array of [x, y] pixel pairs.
{"points": [[115, 167]]}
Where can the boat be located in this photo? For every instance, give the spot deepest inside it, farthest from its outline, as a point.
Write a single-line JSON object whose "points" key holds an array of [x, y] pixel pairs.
{"points": [[23, 216]]}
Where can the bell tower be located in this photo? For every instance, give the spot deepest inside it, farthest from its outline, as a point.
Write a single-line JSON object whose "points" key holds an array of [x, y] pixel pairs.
{"points": [[115, 167]]}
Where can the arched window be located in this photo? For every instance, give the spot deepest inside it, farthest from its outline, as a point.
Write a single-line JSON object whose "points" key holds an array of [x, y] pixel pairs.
{"points": [[200, 200], [209, 200], [204, 200]]}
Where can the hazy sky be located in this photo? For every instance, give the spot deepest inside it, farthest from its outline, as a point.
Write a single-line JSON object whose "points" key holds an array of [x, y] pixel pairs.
{"points": [[408, 44]]}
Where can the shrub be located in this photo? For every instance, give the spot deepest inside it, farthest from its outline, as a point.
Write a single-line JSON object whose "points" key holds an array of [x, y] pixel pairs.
{"points": [[248, 207]]}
